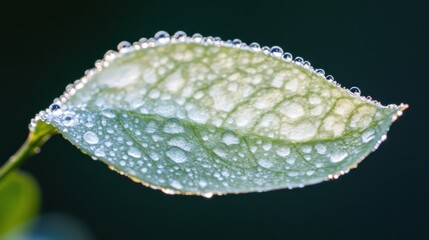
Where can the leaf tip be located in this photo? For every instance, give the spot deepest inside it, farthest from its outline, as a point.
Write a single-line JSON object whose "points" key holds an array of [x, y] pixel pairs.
{"points": [[399, 111]]}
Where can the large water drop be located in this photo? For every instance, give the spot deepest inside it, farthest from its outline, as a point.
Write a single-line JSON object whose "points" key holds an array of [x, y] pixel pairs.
{"points": [[134, 152], [108, 113], [91, 137], [197, 37], [162, 37], [236, 42], [123, 46], [255, 47], [368, 135], [69, 119], [173, 126], [99, 152], [355, 90], [320, 72], [338, 156], [55, 109], [229, 138], [330, 78], [276, 51], [287, 56], [265, 163], [299, 60], [180, 36], [177, 155]]}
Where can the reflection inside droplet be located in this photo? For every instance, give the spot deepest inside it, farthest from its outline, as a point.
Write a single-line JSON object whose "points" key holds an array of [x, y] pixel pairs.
{"points": [[355, 90], [69, 119]]}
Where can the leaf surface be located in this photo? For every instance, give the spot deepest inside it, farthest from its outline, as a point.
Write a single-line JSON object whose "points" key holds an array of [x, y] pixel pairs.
{"points": [[203, 116]]}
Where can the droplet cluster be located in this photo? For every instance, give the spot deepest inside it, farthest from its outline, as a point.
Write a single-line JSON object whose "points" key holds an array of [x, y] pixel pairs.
{"points": [[187, 128], [174, 154], [163, 37]]}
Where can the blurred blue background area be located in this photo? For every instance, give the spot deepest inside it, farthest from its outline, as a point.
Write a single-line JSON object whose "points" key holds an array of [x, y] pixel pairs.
{"points": [[379, 46]]}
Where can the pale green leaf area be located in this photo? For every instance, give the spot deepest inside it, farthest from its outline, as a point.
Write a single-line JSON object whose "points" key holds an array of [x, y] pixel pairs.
{"points": [[19, 202], [196, 119]]}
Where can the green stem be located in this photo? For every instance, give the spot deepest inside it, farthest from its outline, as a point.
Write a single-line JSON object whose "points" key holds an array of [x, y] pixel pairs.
{"points": [[30, 147]]}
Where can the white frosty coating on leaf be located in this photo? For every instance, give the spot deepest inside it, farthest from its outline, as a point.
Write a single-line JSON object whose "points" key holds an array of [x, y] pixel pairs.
{"points": [[210, 119]]}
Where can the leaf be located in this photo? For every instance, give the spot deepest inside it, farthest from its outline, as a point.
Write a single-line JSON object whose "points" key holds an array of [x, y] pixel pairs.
{"points": [[203, 116], [19, 201]]}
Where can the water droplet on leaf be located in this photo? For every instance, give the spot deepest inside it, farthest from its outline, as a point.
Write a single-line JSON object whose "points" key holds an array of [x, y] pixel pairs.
{"points": [[320, 72], [229, 138], [287, 56], [299, 60], [99, 152], [338, 156], [91, 137], [177, 155], [307, 64], [355, 90], [180, 36], [69, 119], [236, 42], [54, 107], [173, 126], [108, 113], [123, 46], [162, 37], [368, 135], [134, 152], [276, 51], [265, 163], [255, 47], [266, 50], [197, 37], [176, 185]]}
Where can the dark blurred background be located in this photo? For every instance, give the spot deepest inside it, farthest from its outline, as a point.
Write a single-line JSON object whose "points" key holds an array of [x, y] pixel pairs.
{"points": [[380, 46]]}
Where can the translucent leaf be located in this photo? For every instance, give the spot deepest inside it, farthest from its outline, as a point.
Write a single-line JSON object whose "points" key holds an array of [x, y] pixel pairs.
{"points": [[203, 116], [19, 202]]}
